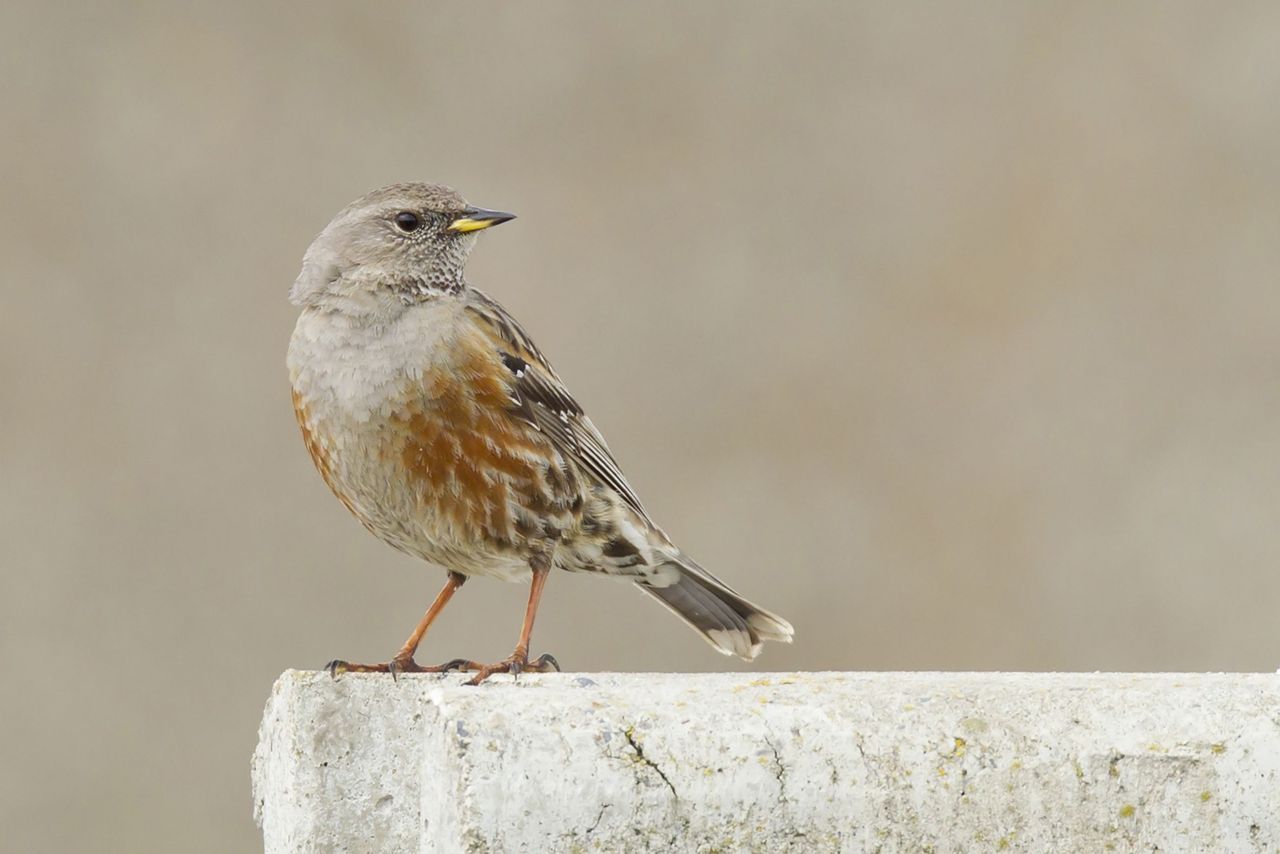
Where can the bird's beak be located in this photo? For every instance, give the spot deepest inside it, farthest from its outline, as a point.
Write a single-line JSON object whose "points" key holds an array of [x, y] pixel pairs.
{"points": [[474, 219]]}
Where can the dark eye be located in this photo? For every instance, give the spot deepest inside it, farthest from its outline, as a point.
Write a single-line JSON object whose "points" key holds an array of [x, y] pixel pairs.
{"points": [[407, 221]]}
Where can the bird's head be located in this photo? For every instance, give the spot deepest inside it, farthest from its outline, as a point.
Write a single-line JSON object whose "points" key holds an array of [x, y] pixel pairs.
{"points": [[402, 243]]}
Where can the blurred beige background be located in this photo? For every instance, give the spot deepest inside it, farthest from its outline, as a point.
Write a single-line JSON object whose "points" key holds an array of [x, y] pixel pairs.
{"points": [[952, 334]]}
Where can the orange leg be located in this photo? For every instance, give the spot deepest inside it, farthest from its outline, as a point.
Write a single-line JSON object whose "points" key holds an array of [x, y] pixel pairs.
{"points": [[518, 661], [403, 662]]}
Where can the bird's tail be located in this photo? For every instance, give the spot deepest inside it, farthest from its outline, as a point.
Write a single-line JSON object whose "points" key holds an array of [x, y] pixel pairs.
{"points": [[728, 622]]}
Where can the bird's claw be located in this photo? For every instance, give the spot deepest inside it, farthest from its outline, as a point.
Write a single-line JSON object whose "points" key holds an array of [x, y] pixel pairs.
{"points": [[397, 666], [516, 664], [457, 664], [545, 663]]}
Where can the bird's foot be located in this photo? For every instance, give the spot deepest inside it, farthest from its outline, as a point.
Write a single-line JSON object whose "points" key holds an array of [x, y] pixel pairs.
{"points": [[400, 664], [515, 664]]}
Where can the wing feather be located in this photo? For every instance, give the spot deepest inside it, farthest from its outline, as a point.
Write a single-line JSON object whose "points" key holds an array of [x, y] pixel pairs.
{"points": [[541, 399]]}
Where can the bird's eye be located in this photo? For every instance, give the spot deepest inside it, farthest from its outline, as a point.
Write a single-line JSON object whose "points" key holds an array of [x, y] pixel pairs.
{"points": [[407, 221]]}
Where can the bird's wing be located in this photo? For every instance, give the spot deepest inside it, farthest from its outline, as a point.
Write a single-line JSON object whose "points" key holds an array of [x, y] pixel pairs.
{"points": [[541, 399]]}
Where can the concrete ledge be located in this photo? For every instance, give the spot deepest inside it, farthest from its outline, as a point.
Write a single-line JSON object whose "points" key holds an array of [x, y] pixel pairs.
{"points": [[771, 762]]}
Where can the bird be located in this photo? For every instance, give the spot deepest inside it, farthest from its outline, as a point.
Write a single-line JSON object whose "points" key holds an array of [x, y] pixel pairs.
{"points": [[440, 425]]}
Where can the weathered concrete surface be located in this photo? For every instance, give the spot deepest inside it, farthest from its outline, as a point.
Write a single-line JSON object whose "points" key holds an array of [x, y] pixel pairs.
{"points": [[772, 762]]}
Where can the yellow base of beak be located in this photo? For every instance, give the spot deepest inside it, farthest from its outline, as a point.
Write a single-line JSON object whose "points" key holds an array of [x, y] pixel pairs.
{"points": [[474, 219]]}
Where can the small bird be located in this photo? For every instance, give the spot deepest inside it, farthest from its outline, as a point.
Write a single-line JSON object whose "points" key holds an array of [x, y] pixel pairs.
{"points": [[437, 421]]}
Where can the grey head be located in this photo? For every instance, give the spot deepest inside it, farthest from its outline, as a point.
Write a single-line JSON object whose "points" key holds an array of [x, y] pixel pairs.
{"points": [[395, 246]]}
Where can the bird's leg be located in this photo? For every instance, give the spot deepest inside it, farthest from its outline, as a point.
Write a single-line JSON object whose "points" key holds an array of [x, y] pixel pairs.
{"points": [[403, 661], [518, 661]]}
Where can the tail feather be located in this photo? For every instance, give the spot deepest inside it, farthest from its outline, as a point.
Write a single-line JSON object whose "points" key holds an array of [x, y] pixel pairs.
{"points": [[731, 624]]}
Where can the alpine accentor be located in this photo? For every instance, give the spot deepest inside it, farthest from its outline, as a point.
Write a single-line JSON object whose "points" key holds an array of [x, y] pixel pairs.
{"points": [[438, 422]]}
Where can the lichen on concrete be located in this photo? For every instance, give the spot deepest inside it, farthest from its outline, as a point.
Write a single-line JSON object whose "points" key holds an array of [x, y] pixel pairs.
{"points": [[776, 762]]}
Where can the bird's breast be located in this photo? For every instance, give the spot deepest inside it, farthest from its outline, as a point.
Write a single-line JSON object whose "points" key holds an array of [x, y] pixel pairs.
{"points": [[411, 428], [355, 371]]}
